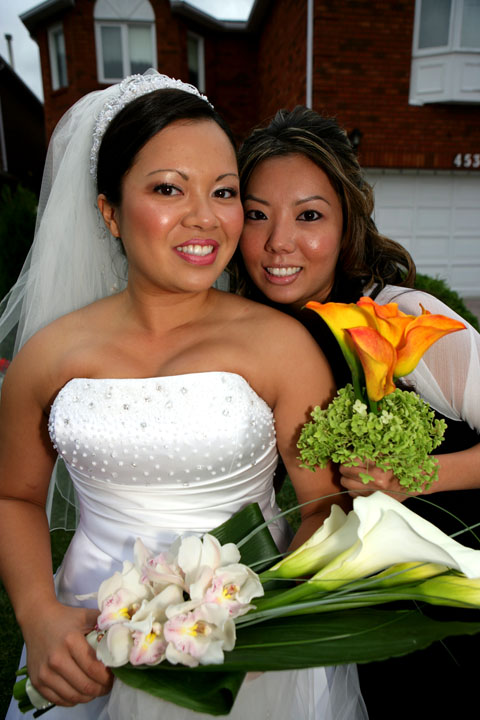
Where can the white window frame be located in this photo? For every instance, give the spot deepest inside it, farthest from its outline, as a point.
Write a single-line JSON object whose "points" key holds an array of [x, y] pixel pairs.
{"points": [[200, 58], [126, 63], [454, 32], [448, 73], [55, 74]]}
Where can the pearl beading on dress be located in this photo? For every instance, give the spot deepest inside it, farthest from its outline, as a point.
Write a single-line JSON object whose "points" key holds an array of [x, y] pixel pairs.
{"points": [[159, 430]]}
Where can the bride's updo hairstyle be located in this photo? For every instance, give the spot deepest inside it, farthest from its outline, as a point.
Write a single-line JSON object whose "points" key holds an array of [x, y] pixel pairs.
{"points": [[366, 257], [136, 124]]}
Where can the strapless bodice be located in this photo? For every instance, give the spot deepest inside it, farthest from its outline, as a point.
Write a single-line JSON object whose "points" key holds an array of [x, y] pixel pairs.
{"points": [[174, 432], [156, 458]]}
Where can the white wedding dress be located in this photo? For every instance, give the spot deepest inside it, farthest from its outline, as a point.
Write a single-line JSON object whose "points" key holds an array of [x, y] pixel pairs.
{"points": [[155, 458]]}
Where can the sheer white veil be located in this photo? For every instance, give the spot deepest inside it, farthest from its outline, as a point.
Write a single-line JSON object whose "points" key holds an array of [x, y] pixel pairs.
{"points": [[73, 260]]}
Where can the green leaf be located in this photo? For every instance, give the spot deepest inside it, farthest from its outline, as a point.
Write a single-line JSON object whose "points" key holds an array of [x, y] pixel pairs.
{"points": [[258, 549], [349, 636], [207, 692]]}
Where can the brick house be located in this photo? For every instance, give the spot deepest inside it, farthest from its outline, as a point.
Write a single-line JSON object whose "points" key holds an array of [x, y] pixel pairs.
{"points": [[402, 77], [22, 132]]}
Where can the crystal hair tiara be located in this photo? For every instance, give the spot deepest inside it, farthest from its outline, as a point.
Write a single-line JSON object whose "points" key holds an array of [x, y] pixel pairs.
{"points": [[128, 90]]}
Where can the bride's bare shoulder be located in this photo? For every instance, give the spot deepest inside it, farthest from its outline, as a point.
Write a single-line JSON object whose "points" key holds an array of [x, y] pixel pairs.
{"points": [[57, 352], [267, 320]]}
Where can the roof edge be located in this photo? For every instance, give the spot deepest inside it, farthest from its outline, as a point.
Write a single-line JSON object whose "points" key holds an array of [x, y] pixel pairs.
{"points": [[257, 12], [43, 12]]}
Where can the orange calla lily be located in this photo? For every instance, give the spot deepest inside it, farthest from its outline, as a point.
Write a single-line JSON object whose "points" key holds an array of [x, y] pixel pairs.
{"points": [[419, 335], [389, 320], [381, 340], [378, 357], [339, 317]]}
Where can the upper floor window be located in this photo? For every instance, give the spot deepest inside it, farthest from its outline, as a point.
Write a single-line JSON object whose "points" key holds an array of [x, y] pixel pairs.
{"points": [[448, 24], [124, 38], [196, 61], [446, 52], [58, 57]]}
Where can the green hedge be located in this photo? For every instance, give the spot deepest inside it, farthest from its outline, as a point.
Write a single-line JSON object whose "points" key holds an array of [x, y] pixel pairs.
{"points": [[440, 289], [18, 210]]}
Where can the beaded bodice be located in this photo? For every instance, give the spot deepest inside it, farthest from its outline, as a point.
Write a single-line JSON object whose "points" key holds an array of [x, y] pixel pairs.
{"points": [[174, 431]]}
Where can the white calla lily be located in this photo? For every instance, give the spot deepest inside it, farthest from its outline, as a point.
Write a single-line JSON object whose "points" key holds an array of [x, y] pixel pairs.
{"points": [[389, 533], [451, 589], [407, 573], [325, 544]]}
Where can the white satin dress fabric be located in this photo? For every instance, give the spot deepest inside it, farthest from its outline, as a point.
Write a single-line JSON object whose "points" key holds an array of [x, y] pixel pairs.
{"points": [[156, 458]]}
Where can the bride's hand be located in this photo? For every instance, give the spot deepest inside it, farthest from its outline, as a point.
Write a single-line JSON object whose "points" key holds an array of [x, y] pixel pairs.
{"points": [[61, 664], [383, 480]]}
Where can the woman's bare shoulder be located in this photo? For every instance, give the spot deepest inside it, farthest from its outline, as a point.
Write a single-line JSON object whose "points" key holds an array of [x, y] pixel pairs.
{"points": [[273, 324], [56, 352]]}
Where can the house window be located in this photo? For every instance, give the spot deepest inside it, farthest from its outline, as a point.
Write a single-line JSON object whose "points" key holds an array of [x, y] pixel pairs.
{"points": [[434, 24], [125, 39], [446, 52], [58, 57], [196, 61]]}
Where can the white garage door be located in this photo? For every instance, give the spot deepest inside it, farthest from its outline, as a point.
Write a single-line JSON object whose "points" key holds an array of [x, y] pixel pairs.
{"points": [[436, 216]]}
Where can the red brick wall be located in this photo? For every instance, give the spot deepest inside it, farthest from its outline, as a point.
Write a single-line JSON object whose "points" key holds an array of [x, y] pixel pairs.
{"points": [[231, 79], [362, 76], [282, 57]]}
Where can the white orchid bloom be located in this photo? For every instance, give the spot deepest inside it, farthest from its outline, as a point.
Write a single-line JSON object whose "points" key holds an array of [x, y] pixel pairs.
{"points": [[232, 588], [388, 533], [154, 610], [199, 558], [112, 647], [148, 647], [158, 570], [128, 579], [228, 595], [193, 639], [120, 596]]}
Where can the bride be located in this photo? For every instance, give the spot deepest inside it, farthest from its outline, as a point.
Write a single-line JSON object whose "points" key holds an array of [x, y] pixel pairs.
{"points": [[160, 393]]}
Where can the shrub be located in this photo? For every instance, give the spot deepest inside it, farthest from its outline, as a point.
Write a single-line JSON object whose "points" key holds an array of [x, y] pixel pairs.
{"points": [[18, 211], [439, 289]]}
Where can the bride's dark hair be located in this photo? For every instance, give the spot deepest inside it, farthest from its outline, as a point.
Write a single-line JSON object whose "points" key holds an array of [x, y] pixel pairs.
{"points": [[366, 256], [136, 124]]}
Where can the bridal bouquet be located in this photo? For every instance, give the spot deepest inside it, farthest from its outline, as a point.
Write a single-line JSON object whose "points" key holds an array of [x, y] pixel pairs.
{"points": [[371, 420], [187, 624]]}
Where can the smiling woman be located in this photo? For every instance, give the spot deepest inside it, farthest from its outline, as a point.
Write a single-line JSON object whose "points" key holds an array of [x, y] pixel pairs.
{"points": [[150, 388], [293, 230], [180, 208], [309, 235]]}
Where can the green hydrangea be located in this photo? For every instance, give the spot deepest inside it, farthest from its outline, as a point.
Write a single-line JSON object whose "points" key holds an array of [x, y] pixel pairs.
{"points": [[401, 437]]}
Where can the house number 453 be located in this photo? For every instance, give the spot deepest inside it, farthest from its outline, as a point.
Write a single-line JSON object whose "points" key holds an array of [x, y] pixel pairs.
{"points": [[467, 160]]}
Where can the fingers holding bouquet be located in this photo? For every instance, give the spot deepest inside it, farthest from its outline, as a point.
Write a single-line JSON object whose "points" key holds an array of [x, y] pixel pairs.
{"points": [[62, 666], [354, 479]]}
